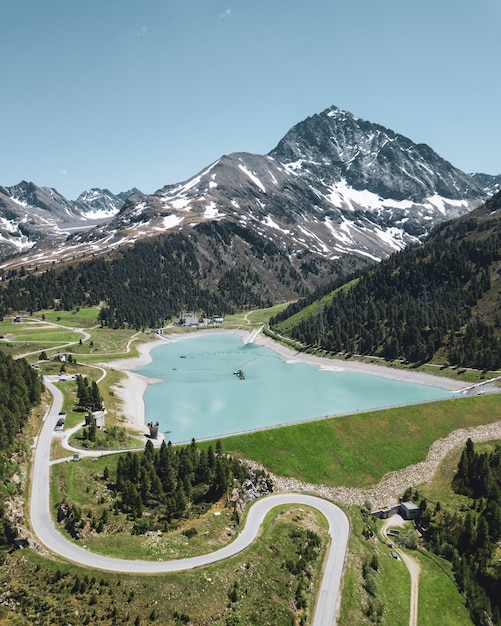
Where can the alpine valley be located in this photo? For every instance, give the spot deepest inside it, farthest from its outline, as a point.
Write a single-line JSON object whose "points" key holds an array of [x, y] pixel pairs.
{"points": [[337, 193]]}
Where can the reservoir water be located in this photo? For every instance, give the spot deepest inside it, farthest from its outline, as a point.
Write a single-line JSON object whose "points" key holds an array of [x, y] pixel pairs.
{"points": [[200, 395]]}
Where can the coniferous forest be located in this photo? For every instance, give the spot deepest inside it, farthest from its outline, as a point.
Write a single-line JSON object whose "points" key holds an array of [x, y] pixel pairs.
{"points": [[469, 537], [140, 287], [20, 391], [168, 483], [217, 269], [171, 480], [437, 299]]}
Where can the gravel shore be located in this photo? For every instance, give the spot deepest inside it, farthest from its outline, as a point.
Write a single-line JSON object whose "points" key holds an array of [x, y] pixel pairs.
{"points": [[131, 390], [350, 365]]}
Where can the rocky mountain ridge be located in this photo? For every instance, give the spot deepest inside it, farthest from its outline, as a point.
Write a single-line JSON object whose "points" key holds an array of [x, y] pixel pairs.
{"points": [[32, 217], [334, 187]]}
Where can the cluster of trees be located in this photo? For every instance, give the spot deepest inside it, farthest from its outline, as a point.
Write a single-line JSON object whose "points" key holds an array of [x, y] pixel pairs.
{"points": [[89, 397], [469, 537], [417, 302], [307, 544], [143, 285], [170, 481], [20, 391]]}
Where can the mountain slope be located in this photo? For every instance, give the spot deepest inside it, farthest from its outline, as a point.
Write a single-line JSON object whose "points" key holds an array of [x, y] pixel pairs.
{"points": [[438, 300], [32, 217], [213, 270], [335, 187], [490, 184], [373, 158]]}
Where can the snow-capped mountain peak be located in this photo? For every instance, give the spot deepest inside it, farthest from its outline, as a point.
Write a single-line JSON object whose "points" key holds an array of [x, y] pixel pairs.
{"points": [[334, 187]]}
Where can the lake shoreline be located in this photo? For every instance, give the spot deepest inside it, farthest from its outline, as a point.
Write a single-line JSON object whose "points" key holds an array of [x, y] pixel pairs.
{"points": [[131, 391], [351, 365]]}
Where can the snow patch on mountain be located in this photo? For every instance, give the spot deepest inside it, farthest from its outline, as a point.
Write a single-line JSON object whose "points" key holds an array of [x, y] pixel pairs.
{"points": [[341, 195], [212, 212], [171, 221], [8, 225], [392, 237], [270, 223], [253, 178], [180, 203], [20, 243], [442, 204], [294, 166]]}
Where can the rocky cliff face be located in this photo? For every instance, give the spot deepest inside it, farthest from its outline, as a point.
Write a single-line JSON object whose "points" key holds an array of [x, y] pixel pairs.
{"points": [[336, 146]]}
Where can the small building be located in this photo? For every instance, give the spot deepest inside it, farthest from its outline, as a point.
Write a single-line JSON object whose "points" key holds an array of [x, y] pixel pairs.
{"points": [[96, 418], [190, 321], [406, 510], [409, 510], [386, 513], [153, 426]]}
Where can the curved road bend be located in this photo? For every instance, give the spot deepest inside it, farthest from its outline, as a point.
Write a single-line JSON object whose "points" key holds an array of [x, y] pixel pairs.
{"points": [[43, 526]]}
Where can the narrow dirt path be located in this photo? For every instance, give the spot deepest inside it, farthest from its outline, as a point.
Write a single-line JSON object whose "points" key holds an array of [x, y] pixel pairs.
{"points": [[410, 563], [414, 571]]}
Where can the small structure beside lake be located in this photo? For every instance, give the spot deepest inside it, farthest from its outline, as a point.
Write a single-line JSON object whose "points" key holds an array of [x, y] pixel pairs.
{"points": [[153, 426]]}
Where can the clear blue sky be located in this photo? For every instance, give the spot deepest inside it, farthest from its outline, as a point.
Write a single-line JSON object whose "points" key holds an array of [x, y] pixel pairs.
{"points": [[143, 93]]}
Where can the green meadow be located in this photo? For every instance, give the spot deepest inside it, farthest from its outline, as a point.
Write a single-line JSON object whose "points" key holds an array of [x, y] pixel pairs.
{"points": [[357, 450]]}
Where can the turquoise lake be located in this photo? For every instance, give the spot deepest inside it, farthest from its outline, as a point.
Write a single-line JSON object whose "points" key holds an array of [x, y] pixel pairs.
{"points": [[201, 397]]}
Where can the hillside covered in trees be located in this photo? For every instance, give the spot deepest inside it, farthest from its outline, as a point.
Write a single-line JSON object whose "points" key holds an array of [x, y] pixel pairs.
{"points": [[469, 537], [436, 301], [20, 390], [167, 483], [216, 269]]}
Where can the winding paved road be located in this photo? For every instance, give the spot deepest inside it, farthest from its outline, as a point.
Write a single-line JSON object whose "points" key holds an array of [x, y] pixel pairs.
{"points": [[43, 526]]}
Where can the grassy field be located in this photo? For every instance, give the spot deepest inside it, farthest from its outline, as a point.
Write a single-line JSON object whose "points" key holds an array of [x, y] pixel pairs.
{"points": [[390, 587], [44, 334], [358, 450], [439, 596], [48, 330]]}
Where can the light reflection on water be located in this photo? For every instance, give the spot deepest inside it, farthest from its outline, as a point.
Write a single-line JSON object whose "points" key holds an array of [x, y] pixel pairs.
{"points": [[201, 397]]}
